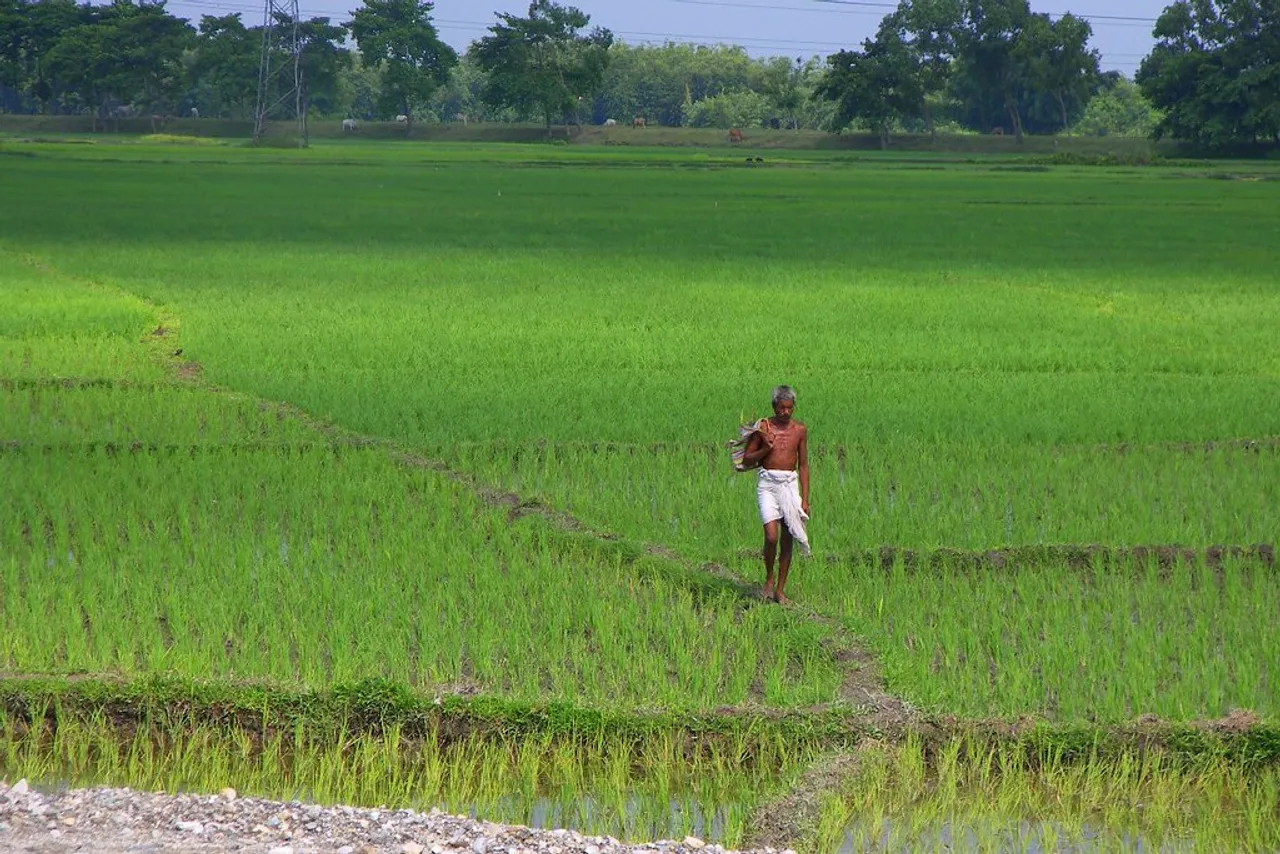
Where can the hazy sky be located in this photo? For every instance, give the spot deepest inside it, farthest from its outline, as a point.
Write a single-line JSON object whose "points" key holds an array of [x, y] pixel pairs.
{"points": [[1121, 28]]}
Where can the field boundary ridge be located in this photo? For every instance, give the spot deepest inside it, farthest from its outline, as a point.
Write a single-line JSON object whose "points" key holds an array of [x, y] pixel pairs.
{"points": [[373, 706]]}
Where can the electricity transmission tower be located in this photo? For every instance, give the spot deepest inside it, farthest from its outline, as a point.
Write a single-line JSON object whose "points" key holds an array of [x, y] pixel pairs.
{"points": [[280, 69]]}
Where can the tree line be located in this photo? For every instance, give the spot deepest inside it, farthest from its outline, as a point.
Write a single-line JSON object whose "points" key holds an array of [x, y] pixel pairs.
{"points": [[987, 66]]}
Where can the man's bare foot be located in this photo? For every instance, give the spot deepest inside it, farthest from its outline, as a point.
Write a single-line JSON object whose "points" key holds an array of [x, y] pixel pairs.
{"points": [[780, 599], [767, 593]]}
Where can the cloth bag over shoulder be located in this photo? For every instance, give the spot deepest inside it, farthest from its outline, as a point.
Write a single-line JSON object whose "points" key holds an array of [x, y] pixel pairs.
{"points": [[738, 446]]}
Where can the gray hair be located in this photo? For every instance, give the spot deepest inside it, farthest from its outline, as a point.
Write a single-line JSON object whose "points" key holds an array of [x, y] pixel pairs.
{"points": [[783, 392]]}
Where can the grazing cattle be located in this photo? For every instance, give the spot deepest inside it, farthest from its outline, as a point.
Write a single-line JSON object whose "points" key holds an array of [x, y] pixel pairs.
{"points": [[158, 122], [195, 113], [610, 123], [997, 131], [402, 119], [461, 117], [638, 122], [350, 125], [735, 135]]}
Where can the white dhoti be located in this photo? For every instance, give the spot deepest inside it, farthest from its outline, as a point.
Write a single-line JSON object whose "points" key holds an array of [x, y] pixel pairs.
{"points": [[778, 493]]}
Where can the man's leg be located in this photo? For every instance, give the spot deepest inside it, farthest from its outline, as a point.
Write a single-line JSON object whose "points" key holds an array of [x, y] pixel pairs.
{"points": [[770, 553], [784, 565]]}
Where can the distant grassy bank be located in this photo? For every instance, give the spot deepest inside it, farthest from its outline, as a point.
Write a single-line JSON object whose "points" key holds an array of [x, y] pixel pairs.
{"points": [[754, 138]]}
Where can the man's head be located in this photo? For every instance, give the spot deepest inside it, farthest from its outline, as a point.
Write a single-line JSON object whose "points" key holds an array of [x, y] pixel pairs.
{"points": [[784, 401]]}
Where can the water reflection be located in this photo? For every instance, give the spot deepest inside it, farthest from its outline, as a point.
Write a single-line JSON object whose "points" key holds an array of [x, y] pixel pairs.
{"points": [[631, 818], [1023, 837]]}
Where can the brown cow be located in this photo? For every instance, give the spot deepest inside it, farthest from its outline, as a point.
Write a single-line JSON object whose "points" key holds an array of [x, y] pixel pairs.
{"points": [[735, 135], [638, 122]]}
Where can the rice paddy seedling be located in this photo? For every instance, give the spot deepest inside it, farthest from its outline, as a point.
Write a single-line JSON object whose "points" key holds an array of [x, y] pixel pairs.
{"points": [[961, 392], [164, 528], [977, 797], [988, 360], [652, 789], [309, 566], [1183, 642]]}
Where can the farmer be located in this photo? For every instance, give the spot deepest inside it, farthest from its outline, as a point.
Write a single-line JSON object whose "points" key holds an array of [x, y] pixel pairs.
{"points": [[780, 446]]}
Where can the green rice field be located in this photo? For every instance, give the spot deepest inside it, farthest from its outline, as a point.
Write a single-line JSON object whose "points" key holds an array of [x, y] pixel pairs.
{"points": [[452, 416]]}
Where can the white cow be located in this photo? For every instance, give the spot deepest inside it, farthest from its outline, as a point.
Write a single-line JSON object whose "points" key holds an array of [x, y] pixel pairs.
{"points": [[402, 119], [350, 125], [195, 113], [610, 123]]}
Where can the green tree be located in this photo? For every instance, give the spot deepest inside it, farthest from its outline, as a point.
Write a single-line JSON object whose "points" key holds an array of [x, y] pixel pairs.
{"points": [[743, 108], [1118, 109], [989, 54], [226, 66], [879, 86], [783, 85], [660, 81], [461, 98], [29, 30], [321, 63], [993, 57], [1058, 62], [542, 63], [399, 35], [359, 86], [13, 29], [928, 29], [131, 54], [1215, 71]]}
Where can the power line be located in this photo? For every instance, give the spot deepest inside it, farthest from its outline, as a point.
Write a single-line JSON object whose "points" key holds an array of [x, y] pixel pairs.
{"points": [[733, 5], [642, 37], [870, 7], [451, 24], [694, 38], [1054, 14]]}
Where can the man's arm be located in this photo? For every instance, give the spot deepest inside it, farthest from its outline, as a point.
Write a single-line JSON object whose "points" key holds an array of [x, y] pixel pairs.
{"points": [[758, 447], [803, 464]]}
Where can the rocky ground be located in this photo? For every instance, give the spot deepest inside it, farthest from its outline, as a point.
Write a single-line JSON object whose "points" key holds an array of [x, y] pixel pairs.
{"points": [[116, 821]]}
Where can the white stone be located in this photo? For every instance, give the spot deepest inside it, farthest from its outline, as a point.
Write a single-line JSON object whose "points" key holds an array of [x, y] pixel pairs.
{"points": [[190, 826], [694, 842], [281, 849], [55, 833], [592, 849], [227, 794], [411, 848], [479, 844], [21, 787], [347, 849]]}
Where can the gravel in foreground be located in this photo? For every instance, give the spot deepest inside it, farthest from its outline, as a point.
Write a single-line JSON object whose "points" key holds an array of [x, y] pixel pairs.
{"points": [[116, 821]]}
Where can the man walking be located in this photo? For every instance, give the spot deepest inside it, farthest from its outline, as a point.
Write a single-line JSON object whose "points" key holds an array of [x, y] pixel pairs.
{"points": [[780, 446]]}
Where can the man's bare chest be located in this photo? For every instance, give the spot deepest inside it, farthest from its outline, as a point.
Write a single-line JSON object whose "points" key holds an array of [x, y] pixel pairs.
{"points": [[786, 441]]}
